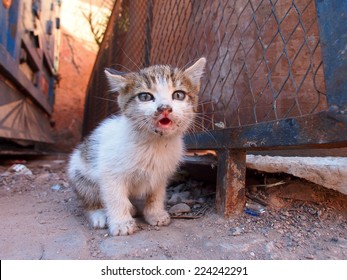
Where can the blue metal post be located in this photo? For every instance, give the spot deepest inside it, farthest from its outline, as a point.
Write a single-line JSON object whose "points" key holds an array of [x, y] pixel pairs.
{"points": [[332, 22], [12, 30]]}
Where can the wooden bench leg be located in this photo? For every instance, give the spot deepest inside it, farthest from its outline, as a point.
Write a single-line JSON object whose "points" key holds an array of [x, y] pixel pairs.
{"points": [[231, 173]]}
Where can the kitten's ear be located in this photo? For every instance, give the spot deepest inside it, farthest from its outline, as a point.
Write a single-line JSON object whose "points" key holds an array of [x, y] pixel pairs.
{"points": [[115, 79], [196, 71]]}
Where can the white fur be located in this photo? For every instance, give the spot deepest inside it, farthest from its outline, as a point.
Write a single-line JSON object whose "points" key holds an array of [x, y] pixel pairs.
{"points": [[97, 218], [126, 166], [133, 155]]}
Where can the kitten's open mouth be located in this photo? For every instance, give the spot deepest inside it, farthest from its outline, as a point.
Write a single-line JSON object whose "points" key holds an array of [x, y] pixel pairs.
{"points": [[164, 122]]}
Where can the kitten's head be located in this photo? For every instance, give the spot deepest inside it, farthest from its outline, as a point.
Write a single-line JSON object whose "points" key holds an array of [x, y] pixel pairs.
{"points": [[159, 99]]}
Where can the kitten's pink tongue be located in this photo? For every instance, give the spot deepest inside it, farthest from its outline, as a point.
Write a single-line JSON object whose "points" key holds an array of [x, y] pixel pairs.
{"points": [[165, 122]]}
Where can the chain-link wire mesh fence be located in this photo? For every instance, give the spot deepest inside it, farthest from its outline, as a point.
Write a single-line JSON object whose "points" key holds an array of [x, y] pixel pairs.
{"points": [[264, 86], [264, 56]]}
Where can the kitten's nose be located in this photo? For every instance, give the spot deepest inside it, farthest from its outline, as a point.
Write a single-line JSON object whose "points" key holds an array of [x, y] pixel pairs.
{"points": [[164, 109]]}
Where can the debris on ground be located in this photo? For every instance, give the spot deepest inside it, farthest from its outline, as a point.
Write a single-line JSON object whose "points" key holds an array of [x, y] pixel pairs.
{"points": [[19, 169], [56, 187], [294, 220], [189, 200]]}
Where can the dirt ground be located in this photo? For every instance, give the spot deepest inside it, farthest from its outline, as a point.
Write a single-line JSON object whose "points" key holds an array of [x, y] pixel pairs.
{"points": [[41, 218]]}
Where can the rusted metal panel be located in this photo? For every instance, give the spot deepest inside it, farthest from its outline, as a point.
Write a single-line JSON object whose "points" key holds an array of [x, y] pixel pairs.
{"points": [[230, 190]]}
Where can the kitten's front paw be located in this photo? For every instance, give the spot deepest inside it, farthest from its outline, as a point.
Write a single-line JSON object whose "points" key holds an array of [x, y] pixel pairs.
{"points": [[160, 218], [125, 228]]}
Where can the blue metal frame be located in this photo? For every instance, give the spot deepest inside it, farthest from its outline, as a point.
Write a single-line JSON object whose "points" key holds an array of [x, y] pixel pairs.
{"points": [[12, 28], [332, 22]]}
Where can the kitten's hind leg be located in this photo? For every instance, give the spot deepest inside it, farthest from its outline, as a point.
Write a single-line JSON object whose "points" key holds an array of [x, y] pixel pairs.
{"points": [[88, 191], [97, 218]]}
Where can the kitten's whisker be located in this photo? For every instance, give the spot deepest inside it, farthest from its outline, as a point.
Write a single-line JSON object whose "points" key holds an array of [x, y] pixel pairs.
{"points": [[187, 118], [193, 134], [122, 66], [205, 102], [109, 91], [189, 62], [202, 130], [106, 99], [138, 68], [179, 60], [199, 116], [204, 123], [207, 132], [140, 123], [204, 119]]}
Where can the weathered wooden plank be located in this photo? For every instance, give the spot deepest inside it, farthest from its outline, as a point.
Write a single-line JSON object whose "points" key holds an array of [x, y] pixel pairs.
{"points": [[230, 192]]}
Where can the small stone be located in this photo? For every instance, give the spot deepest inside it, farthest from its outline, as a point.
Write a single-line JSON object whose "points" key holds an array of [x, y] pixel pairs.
{"points": [[253, 189], [20, 169], [334, 240], [178, 197], [94, 254], [179, 209], [65, 185], [220, 124], [196, 192], [56, 187], [59, 161], [178, 188], [220, 221], [42, 178], [252, 254], [236, 231]]}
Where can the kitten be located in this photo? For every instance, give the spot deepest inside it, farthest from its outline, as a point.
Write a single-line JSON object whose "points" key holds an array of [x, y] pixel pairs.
{"points": [[134, 154]]}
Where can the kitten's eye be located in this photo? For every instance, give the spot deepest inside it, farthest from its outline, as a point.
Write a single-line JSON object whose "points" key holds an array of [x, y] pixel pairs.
{"points": [[145, 96], [179, 95]]}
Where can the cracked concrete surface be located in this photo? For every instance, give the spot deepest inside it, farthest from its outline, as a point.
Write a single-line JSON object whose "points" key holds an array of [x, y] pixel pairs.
{"points": [[330, 172]]}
